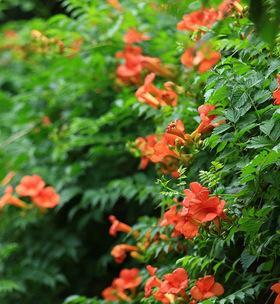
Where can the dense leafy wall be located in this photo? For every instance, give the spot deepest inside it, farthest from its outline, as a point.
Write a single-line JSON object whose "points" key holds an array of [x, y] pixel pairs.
{"points": [[70, 114]]}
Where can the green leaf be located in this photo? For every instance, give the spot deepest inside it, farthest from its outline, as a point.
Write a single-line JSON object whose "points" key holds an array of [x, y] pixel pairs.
{"points": [[259, 142], [267, 126], [221, 129], [262, 96], [247, 260]]}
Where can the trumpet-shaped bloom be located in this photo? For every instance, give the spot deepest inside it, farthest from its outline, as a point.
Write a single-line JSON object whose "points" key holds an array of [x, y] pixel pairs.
{"points": [[154, 97], [276, 288], [151, 283], [134, 36], [119, 252], [154, 149], [196, 193], [200, 206], [276, 96], [276, 93], [134, 63], [128, 279], [166, 290], [9, 199], [207, 123], [165, 149], [175, 133], [208, 210], [117, 226], [182, 223], [227, 6], [152, 270], [202, 18], [130, 70], [171, 217], [163, 297], [30, 185], [187, 227], [206, 17], [162, 151], [206, 288], [46, 198], [146, 148], [110, 294], [203, 59], [175, 282]]}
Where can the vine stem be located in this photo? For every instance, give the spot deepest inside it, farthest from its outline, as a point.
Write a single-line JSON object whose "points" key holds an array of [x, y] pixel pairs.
{"points": [[17, 136]]}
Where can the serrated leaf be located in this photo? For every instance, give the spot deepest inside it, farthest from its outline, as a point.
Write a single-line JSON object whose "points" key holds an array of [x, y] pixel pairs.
{"points": [[267, 126], [221, 129], [247, 260], [258, 142], [232, 115], [262, 96]]}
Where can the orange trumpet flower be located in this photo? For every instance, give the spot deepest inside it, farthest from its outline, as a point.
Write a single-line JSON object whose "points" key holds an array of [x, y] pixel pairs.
{"points": [[154, 97], [134, 36], [276, 93], [30, 185], [203, 59], [206, 288], [46, 198], [119, 252], [202, 18], [117, 226]]}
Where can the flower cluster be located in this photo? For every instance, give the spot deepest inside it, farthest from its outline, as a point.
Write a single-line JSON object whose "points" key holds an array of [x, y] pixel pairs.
{"points": [[165, 150], [32, 186], [202, 18], [173, 287], [127, 282], [169, 149], [202, 57], [39, 43], [120, 251], [196, 210], [206, 17], [199, 209], [46, 43], [43, 44], [135, 63]]}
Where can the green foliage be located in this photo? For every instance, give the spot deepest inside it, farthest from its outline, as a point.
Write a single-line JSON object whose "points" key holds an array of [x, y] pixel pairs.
{"points": [[266, 16], [7, 285], [84, 150]]}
